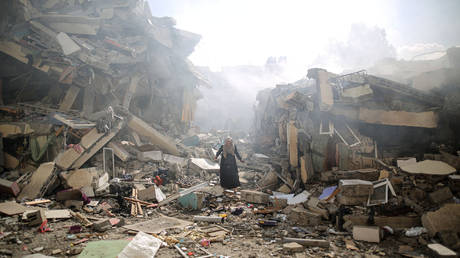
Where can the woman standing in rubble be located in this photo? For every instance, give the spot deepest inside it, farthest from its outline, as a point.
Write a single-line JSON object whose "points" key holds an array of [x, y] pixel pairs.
{"points": [[228, 168]]}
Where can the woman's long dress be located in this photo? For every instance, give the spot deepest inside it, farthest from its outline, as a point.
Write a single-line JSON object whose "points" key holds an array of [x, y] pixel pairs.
{"points": [[228, 169]]}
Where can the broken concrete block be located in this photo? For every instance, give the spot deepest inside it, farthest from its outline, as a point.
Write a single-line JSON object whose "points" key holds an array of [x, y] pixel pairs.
{"points": [[395, 222], [68, 46], [367, 233], [89, 139], [174, 160], [308, 242], [58, 214], [441, 195], [312, 202], [34, 217], [119, 151], [284, 189], [88, 191], [79, 178], [146, 194], [65, 159], [39, 180], [102, 225], [193, 201], [254, 196], [355, 187], [155, 137], [405, 162], [292, 247], [69, 98], [447, 218], [71, 194], [150, 155], [9, 187], [270, 180], [441, 251], [354, 192], [198, 164], [12, 208], [73, 204], [302, 217], [352, 200], [279, 203], [97, 146], [323, 212]]}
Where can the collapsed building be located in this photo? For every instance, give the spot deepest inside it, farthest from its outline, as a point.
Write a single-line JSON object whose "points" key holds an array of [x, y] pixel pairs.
{"points": [[358, 129], [348, 121], [83, 56]]}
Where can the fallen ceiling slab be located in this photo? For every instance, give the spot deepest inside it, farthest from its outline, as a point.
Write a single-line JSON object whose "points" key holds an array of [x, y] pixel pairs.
{"points": [[157, 225], [429, 167]]}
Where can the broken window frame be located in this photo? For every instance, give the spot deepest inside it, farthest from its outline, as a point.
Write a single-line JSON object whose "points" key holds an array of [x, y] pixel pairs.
{"points": [[381, 183], [104, 151], [358, 141], [331, 128]]}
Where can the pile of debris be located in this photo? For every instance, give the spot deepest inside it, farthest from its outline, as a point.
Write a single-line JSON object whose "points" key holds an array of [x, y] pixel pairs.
{"points": [[383, 151], [80, 57]]}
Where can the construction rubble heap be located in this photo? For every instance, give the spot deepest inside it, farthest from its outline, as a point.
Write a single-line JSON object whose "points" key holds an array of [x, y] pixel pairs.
{"points": [[100, 158]]}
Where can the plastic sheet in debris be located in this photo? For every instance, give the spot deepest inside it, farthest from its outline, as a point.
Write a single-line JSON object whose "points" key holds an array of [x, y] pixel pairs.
{"points": [[279, 195], [159, 195], [143, 245], [327, 192], [291, 198], [300, 198]]}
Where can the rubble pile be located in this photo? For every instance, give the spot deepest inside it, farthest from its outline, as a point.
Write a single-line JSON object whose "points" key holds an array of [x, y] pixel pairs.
{"points": [[379, 155], [80, 57]]}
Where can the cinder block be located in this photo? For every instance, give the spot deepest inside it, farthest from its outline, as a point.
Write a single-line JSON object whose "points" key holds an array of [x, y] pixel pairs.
{"points": [[254, 196], [367, 233], [302, 217], [292, 247]]}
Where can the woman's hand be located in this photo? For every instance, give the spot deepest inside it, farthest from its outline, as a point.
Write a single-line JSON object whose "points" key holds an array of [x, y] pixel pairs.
{"points": [[215, 158]]}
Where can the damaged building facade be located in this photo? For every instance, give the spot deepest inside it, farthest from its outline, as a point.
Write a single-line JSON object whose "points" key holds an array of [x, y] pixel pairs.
{"points": [[390, 146]]}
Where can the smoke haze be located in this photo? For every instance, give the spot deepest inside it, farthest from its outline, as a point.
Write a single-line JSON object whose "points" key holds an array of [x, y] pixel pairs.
{"points": [[239, 36]]}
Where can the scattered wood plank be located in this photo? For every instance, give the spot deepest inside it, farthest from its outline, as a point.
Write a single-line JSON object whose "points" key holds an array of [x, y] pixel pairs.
{"points": [[38, 202]]}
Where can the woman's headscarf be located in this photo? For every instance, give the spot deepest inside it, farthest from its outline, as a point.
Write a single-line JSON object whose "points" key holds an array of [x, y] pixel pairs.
{"points": [[229, 148]]}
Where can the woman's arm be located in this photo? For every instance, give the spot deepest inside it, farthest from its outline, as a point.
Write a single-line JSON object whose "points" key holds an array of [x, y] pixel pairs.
{"points": [[238, 154], [219, 151]]}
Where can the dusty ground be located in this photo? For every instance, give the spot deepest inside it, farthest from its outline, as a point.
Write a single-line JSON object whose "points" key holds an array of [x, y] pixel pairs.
{"points": [[247, 238]]}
